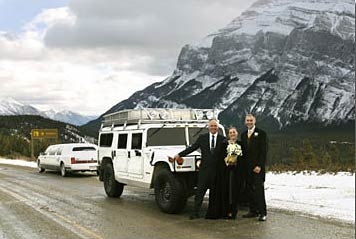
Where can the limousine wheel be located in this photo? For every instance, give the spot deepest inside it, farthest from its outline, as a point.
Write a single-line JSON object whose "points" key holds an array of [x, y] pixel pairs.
{"points": [[111, 186], [169, 193], [40, 169], [63, 170]]}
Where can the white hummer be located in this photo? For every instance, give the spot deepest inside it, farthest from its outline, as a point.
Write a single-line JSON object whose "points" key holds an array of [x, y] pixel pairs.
{"points": [[136, 146]]}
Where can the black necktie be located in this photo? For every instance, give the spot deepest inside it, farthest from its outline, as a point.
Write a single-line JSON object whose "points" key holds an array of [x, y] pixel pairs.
{"points": [[212, 143]]}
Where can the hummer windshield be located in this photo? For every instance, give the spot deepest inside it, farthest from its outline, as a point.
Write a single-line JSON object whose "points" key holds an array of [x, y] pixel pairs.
{"points": [[172, 136]]}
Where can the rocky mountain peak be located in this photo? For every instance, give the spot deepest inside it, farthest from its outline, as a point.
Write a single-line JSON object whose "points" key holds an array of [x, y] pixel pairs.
{"points": [[287, 61]]}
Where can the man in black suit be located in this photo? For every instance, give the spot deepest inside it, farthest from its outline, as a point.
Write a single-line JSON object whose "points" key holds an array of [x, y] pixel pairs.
{"points": [[207, 143], [254, 150]]}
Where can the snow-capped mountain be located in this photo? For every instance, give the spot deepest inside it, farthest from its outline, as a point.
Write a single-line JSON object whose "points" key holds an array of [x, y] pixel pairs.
{"points": [[10, 106], [68, 117], [286, 61]]}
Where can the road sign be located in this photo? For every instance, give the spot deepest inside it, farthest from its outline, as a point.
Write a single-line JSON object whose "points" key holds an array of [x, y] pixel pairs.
{"points": [[44, 133]]}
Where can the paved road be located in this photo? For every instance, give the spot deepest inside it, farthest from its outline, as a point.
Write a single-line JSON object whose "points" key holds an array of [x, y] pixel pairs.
{"points": [[34, 205]]}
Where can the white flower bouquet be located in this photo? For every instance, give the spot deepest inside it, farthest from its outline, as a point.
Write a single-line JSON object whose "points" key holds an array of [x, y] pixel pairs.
{"points": [[233, 150]]}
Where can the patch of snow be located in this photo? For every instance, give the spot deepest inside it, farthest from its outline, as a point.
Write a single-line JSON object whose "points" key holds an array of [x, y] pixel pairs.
{"points": [[206, 42], [326, 195], [18, 162]]}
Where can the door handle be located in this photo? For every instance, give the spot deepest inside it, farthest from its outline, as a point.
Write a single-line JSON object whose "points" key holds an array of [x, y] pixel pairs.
{"points": [[113, 154], [137, 152]]}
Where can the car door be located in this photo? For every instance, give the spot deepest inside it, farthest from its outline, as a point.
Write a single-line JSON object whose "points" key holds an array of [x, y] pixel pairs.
{"points": [[135, 157], [121, 154]]}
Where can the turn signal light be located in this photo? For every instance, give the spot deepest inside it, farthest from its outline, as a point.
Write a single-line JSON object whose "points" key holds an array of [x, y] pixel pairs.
{"points": [[72, 160], [180, 160]]}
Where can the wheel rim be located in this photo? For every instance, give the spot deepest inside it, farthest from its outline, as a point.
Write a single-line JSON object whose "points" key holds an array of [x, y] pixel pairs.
{"points": [[63, 170], [166, 191]]}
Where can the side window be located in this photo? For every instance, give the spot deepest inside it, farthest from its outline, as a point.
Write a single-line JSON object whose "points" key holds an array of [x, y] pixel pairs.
{"points": [[59, 150], [122, 141], [105, 140], [48, 150], [136, 142], [52, 151]]}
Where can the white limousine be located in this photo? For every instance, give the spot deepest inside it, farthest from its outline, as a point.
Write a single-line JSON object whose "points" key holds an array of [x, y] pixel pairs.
{"points": [[72, 157]]}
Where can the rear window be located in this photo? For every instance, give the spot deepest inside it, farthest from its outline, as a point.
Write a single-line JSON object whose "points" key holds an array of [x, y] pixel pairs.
{"points": [[84, 149]]}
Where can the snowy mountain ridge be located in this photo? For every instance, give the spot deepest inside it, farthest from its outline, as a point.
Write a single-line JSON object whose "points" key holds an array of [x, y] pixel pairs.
{"points": [[282, 16], [288, 62], [11, 106]]}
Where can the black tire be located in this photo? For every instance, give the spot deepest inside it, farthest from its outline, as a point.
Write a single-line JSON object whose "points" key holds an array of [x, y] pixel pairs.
{"points": [[40, 169], [101, 172], [63, 170], [169, 193], [112, 187]]}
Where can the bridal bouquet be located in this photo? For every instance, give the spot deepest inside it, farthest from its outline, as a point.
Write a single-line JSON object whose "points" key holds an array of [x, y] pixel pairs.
{"points": [[233, 150]]}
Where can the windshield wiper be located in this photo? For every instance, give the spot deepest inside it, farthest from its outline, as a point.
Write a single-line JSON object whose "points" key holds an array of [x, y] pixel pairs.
{"points": [[157, 130], [198, 132]]}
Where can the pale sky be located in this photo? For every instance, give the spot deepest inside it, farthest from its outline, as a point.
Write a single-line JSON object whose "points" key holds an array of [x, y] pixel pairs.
{"points": [[88, 55]]}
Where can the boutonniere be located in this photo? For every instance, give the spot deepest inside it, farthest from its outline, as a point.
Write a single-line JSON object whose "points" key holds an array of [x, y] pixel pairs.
{"points": [[255, 134]]}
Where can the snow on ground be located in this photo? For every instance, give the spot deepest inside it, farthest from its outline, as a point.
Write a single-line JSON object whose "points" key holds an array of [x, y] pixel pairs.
{"points": [[18, 162], [329, 196], [326, 195]]}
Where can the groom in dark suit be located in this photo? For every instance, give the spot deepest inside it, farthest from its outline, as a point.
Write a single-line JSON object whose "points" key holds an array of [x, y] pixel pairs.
{"points": [[254, 151], [207, 143]]}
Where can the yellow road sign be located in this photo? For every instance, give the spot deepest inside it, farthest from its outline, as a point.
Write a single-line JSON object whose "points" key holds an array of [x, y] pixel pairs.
{"points": [[44, 133]]}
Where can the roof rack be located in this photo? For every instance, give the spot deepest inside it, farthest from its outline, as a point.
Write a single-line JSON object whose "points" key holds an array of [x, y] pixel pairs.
{"points": [[158, 115]]}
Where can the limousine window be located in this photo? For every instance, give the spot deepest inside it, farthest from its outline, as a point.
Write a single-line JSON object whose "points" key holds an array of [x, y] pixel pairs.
{"points": [[84, 149], [52, 151], [59, 151]]}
